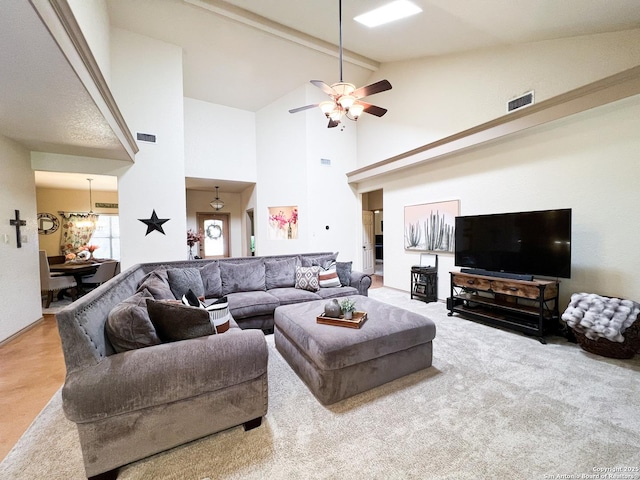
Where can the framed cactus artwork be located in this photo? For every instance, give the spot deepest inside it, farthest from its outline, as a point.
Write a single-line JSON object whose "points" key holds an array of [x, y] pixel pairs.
{"points": [[431, 226]]}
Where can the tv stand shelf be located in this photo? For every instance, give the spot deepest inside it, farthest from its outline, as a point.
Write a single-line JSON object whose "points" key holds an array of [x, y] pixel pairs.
{"points": [[526, 306]]}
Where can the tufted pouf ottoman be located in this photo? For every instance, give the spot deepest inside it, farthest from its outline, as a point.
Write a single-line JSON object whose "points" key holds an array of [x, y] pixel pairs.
{"points": [[338, 362]]}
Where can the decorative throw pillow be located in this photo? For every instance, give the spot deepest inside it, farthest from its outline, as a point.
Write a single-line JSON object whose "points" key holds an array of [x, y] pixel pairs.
{"points": [[183, 279], [344, 273], [307, 278], [280, 273], [219, 314], [211, 280], [157, 283], [328, 277], [174, 321], [322, 260], [246, 276], [128, 325]]}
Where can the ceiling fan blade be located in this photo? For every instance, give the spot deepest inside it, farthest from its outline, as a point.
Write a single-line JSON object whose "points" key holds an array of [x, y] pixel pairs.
{"points": [[324, 87], [306, 107], [332, 123], [373, 109], [381, 86]]}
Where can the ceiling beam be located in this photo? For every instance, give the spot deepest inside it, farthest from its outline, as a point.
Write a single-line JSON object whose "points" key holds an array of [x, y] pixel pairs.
{"points": [[251, 19]]}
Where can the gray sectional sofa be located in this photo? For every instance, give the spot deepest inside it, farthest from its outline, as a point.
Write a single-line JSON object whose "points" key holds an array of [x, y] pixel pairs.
{"points": [[133, 400]]}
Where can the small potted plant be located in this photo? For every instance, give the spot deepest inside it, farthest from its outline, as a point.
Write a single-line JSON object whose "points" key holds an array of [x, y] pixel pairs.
{"points": [[348, 306]]}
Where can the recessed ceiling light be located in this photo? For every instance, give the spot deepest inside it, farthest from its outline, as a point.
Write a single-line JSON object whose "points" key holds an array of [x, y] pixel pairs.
{"points": [[388, 13]]}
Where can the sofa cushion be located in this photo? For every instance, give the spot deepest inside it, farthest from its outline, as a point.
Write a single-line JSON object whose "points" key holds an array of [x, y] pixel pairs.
{"points": [[344, 272], [181, 280], [211, 280], [242, 277], [251, 304], [128, 325], [280, 273], [289, 295], [175, 321], [307, 278], [335, 292], [322, 260], [157, 283], [328, 277]]}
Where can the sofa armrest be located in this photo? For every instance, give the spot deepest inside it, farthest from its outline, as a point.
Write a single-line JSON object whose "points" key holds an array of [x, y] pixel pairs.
{"points": [[362, 282], [170, 372]]}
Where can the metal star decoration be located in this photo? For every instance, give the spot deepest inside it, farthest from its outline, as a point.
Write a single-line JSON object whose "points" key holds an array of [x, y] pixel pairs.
{"points": [[154, 223]]}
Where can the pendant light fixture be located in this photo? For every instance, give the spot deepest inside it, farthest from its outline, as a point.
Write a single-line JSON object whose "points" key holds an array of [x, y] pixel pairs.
{"points": [[217, 204]]}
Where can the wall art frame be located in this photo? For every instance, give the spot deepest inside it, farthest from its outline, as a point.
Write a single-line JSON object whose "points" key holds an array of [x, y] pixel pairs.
{"points": [[283, 223], [430, 227]]}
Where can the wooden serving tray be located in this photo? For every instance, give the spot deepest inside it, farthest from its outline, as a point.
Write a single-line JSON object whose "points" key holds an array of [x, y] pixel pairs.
{"points": [[356, 321]]}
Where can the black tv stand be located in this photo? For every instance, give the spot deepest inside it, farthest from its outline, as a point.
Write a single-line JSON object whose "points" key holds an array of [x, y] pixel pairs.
{"points": [[489, 273]]}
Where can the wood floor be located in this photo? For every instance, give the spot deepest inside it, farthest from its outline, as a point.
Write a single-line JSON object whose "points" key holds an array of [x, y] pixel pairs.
{"points": [[31, 371]]}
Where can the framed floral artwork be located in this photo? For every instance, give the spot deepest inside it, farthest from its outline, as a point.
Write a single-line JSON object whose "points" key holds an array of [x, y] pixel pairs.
{"points": [[283, 223], [431, 226]]}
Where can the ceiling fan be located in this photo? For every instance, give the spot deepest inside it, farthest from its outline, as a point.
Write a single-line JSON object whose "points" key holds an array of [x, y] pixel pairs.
{"points": [[345, 97]]}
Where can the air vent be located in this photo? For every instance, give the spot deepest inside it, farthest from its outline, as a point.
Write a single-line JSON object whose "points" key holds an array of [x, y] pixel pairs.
{"points": [[523, 101], [325, 161], [146, 137]]}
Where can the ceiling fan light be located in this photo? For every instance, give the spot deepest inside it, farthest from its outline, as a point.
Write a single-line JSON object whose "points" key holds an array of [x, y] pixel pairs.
{"points": [[336, 115], [327, 107], [356, 110], [346, 101], [343, 88]]}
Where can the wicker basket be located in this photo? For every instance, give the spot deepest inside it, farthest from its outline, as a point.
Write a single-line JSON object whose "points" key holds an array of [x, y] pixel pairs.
{"points": [[607, 348]]}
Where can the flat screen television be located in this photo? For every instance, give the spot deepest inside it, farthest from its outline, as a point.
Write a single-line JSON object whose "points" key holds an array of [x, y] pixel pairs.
{"points": [[527, 243]]}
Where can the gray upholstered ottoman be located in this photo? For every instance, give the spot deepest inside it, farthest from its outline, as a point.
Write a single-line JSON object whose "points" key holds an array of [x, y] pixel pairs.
{"points": [[339, 362]]}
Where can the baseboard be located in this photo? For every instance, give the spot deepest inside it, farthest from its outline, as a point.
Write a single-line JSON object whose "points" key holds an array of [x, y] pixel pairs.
{"points": [[20, 332]]}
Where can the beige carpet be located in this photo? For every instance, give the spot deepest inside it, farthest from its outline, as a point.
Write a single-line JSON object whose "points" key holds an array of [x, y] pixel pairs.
{"points": [[495, 404]]}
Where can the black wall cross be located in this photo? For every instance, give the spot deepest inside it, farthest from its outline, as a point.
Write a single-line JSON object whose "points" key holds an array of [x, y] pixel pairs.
{"points": [[18, 223]]}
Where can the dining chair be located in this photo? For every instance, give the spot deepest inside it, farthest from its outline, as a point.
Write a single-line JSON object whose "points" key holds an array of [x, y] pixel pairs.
{"points": [[105, 271], [56, 259], [53, 283]]}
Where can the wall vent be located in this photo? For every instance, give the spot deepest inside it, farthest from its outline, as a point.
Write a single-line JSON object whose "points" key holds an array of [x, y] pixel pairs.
{"points": [[146, 137], [325, 161], [522, 101]]}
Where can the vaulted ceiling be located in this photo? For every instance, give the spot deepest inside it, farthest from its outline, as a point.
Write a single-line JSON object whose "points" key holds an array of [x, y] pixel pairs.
{"points": [[247, 53]]}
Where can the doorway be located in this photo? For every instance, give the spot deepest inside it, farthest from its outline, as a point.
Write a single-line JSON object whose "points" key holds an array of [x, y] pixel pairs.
{"points": [[216, 234], [372, 224]]}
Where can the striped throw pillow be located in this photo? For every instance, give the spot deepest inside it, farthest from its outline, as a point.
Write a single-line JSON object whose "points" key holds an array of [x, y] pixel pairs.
{"points": [[328, 277]]}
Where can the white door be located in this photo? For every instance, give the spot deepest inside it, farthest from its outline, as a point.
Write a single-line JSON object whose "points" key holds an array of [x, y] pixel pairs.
{"points": [[216, 234], [368, 244]]}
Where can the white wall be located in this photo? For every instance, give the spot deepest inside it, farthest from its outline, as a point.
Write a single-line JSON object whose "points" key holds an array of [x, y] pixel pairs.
{"points": [[147, 85], [282, 172], [589, 162], [290, 147], [219, 142], [331, 201], [436, 97], [20, 277]]}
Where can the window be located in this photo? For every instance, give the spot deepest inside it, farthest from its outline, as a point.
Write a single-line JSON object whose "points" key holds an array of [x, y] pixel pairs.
{"points": [[107, 237]]}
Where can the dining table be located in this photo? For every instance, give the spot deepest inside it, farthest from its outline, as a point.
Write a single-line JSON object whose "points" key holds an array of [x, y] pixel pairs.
{"points": [[77, 270]]}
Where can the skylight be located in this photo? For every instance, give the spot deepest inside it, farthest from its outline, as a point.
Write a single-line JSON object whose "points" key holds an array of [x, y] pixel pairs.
{"points": [[388, 13]]}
